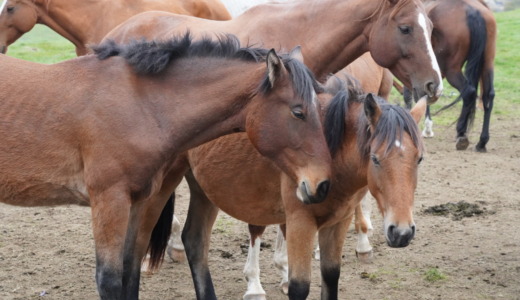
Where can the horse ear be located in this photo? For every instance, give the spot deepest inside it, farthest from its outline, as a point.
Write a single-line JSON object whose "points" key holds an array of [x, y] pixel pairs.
{"points": [[274, 66], [419, 109], [372, 110], [296, 53]]}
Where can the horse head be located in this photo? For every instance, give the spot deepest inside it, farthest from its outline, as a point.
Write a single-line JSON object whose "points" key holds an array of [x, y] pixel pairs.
{"points": [[394, 151], [16, 18], [289, 111], [400, 40]]}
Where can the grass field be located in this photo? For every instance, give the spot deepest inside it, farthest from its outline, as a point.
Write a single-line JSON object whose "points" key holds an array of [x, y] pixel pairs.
{"points": [[45, 46]]}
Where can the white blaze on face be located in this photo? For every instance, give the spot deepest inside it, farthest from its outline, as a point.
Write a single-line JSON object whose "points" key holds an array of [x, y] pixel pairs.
{"points": [[3, 6], [422, 22]]}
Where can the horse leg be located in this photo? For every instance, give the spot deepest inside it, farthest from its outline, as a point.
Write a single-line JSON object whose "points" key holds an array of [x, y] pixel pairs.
{"points": [[195, 237], [363, 227], [252, 266], [175, 248], [468, 95], [331, 241], [488, 96], [407, 97], [428, 124], [110, 211], [301, 231], [280, 258]]}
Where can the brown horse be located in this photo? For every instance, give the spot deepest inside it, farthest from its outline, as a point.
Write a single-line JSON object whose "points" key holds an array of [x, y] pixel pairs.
{"points": [[362, 74], [87, 22], [104, 130], [332, 34], [464, 33], [375, 146]]}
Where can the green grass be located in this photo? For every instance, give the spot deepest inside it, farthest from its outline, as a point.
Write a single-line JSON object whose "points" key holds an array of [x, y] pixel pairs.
{"points": [[434, 275], [42, 45]]}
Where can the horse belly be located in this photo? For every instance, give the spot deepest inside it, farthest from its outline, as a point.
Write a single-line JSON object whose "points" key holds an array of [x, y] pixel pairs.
{"points": [[38, 192]]}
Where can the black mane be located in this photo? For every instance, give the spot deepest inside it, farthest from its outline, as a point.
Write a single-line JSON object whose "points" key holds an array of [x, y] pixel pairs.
{"points": [[153, 57], [393, 123]]}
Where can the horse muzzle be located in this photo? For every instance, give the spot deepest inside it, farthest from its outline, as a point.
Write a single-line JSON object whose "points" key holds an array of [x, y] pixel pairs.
{"points": [[399, 237], [307, 196]]}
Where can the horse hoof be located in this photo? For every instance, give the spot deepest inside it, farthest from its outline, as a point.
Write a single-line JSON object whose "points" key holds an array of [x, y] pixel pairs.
{"points": [[365, 257], [480, 149], [176, 255], [254, 297], [285, 287], [427, 134], [462, 143]]}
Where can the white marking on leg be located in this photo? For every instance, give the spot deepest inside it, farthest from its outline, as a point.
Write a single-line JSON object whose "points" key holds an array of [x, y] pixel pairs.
{"points": [[175, 248], [252, 272], [435, 65], [366, 210], [280, 260], [428, 128]]}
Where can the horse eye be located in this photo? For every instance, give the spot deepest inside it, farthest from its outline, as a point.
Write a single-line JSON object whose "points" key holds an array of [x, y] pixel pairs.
{"points": [[405, 29], [374, 159], [420, 160], [298, 114], [10, 9]]}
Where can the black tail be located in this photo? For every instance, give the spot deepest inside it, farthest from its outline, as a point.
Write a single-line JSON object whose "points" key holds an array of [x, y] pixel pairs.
{"points": [[474, 60], [160, 235]]}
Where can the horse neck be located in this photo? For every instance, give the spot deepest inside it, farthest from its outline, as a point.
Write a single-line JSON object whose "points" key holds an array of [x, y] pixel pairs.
{"points": [[332, 33], [212, 107], [81, 22]]}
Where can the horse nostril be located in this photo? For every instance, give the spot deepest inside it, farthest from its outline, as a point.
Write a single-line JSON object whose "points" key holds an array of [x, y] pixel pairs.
{"points": [[430, 88], [323, 189]]}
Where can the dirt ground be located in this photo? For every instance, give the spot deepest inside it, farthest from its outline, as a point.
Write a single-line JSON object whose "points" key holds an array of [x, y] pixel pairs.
{"points": [[49, 252]]}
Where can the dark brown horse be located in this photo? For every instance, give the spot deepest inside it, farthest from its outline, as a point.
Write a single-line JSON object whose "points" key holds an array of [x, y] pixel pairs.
{"points": [[332, 34], [104, 130], [87, 22], [464, 33]]}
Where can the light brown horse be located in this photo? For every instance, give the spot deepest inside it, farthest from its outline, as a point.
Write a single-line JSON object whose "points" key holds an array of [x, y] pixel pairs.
{"points": [[104, 130], [372, 77], [375, 146], [332, 34], [87, 22], [464, 34]]}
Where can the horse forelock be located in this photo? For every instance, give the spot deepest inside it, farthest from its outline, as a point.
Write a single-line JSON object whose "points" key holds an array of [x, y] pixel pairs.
{"points": [[394, 122], [337, 110]]}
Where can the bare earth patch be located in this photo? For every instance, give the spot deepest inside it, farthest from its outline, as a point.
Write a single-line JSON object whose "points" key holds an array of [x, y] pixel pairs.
{"points": [[48, 253]]}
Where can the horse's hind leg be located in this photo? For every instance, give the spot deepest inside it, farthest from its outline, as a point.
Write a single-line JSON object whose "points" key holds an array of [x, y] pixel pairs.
{"points": [[363, 227], [468, 94], [175, 249], [252, 266], [280, 258], [331, 241], [195, 237], [488, 96]]}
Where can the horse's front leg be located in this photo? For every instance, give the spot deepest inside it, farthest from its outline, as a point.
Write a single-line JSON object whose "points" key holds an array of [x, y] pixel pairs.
{"points": [[196, 237], [331, 240], [252, 266], [110, 211], [301, 231], [280, 258]]}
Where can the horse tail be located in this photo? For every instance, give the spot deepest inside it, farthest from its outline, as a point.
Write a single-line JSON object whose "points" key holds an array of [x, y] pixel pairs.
{"points": [[476, 55], [474, 60], [160, 235]]}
